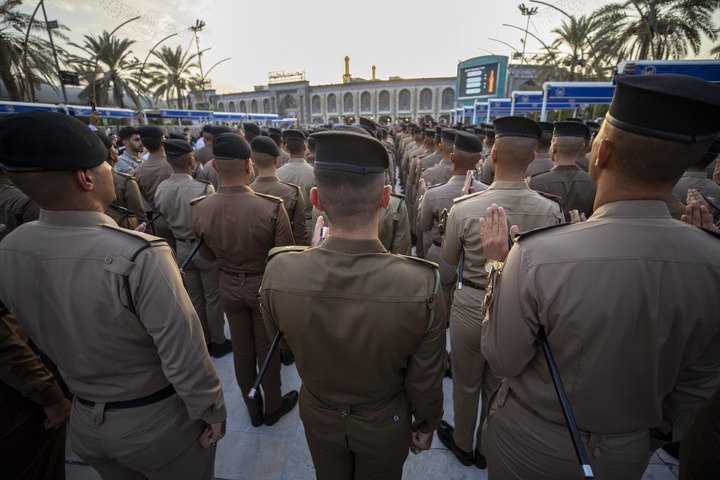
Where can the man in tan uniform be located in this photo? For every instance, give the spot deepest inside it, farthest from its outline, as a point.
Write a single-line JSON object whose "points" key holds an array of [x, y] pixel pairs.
{"points": [[696, 177], [442, 171], [277, 136], [638, 361], [566, 180], [238, 228], [149, 174], [34, 410], [113, 313], [382, 364], [297, 171], [438, 200], [172, 198], [487, 174], [543, 161], [514, 148], [265, 154]]}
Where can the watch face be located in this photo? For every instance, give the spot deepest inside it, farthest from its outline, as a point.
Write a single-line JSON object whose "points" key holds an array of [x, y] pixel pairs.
{"points": [[488, 267]]}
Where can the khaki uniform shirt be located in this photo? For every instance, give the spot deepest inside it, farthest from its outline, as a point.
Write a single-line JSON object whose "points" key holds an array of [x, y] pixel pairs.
{"points": [[716, 173], [104, 351], [387, 340], [440, 173], [698, 181], [542, 163], [150, 174], [487, 175], [524, 207], [127, 196], [283, 158], [293, 200], [173, 197], [204, 154], [15, 207], [209, 174], [571, 184], [584, 162], [675, 206], [629, 302], [298, 172], [240, 227]]}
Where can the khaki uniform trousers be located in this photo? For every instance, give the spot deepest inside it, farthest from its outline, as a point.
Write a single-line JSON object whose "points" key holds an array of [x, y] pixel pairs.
{"points": [[154, 442], [202, 282], [346, 444], [239, 295], [162, 230], [519, 444], [471, 373], [27, 450], [448, 276], [700, 447]]}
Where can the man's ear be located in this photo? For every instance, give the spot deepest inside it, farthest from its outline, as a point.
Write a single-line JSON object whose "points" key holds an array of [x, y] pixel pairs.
{"points": [[315, 199], [385, 200], [604, 151], [85, 179]]}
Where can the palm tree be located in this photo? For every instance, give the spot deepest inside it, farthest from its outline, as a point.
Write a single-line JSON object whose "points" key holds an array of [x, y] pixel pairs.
{"points": [[172, 75], [107, 67], [660, 29], [24, 65]]}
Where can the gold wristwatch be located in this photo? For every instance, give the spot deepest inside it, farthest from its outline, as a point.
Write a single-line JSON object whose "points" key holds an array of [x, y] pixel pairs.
{"points": [[493, 265]]}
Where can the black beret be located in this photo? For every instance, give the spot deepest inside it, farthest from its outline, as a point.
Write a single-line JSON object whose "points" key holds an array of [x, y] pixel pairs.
{"points": [[297, 134], [267, 145], [366, 122], [467, 142], [448, 135], [264, 133], [150, 131], [429, 133], [712, 153], [574, 119], [352, 128], [671, 107], [517, 127], [547, 127], [571, 129], [477, 130], [228, 146], [207, 129], [104, 139], [175, 147], [177, 136], [490, 133], [321, 129], [218, 129], [67, 143], [593, 126], [369, 130], [417, 130], [274, 131], [350, 152], [252, 128]]}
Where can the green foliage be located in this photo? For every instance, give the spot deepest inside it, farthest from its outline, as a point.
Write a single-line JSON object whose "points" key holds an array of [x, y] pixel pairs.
{"points": [[172, 74]]}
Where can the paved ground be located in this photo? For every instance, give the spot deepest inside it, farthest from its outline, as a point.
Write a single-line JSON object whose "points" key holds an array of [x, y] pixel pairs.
{"points": [[280, 452]]}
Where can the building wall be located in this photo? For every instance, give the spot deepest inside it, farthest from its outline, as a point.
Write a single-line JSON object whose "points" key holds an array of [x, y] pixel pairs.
{"points": [[382, 100]]}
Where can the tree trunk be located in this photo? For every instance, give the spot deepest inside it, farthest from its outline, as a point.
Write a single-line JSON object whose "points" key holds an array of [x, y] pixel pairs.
{"points": [[180, 98], [9, 81]]}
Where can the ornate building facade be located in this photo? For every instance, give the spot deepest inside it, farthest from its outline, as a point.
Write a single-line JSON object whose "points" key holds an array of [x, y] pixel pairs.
{"points": [[385, 101]]}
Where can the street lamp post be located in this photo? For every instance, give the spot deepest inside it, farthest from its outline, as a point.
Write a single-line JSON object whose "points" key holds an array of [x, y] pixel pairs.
{"points": [[102, 48], [54, 52], [526, 12], [199, 25]]}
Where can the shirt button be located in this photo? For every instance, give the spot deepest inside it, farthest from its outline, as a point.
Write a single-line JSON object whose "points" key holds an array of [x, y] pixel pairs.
{"points": [[343, 414], [597, 451], [108, 260]]}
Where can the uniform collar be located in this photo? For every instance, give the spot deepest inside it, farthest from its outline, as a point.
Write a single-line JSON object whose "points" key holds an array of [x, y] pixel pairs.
{"points": [[695, 174], [572, 167], [156, 157], [346, 245], [446, 161], [632, 209], [5, 181], [519, 185], [272, 179], [74, 219], [296, 160], [457, 179], [235, 189], [180, 176]]}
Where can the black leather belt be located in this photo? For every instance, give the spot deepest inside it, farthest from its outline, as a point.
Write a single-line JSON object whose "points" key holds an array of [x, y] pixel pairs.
{"points": [[138, 402], [356, 407], [472, 284], [246, 274], [437, 244], [189, 240]]}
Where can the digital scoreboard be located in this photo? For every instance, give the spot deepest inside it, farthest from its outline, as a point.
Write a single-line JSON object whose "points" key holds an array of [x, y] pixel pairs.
{"points": [[481, 77]]}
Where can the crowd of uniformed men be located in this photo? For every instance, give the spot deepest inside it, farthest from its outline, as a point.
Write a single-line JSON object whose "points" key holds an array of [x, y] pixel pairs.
{"points": [[625, 289]]}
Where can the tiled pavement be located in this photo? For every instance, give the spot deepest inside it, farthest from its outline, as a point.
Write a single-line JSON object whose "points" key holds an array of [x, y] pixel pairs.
{"points": [[281, 453]]}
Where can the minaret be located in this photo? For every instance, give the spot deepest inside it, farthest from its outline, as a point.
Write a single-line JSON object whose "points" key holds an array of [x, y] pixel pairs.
{"points": [[373, 76], [346, 77]]}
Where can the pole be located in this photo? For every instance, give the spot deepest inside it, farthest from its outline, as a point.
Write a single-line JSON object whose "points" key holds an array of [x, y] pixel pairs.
{"points": [[52, 45], [261, 374], [565, 405], [546, 94]]}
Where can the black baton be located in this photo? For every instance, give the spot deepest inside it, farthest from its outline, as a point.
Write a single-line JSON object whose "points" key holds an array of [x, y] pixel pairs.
{"points": [[461, 267], [150, 223], [192, 254], [565, 404], [709, 202], [261, 374]]}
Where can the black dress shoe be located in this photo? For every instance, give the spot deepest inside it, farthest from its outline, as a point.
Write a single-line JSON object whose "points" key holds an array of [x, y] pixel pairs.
{"points": [[287, 357], [445, 434], [221, 349], [289, 400], [479, 460], [257, 419]]}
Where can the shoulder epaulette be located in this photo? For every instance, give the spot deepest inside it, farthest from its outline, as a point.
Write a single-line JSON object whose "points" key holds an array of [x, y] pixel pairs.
{"points": [[202, 181], [427, 263], [549, 196], [469, 195], [125, 175], [296, 187], [525, 235], [270, 197], [397, 195], [711, 232], [289, 248], [148, 239], [197, 200]]}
